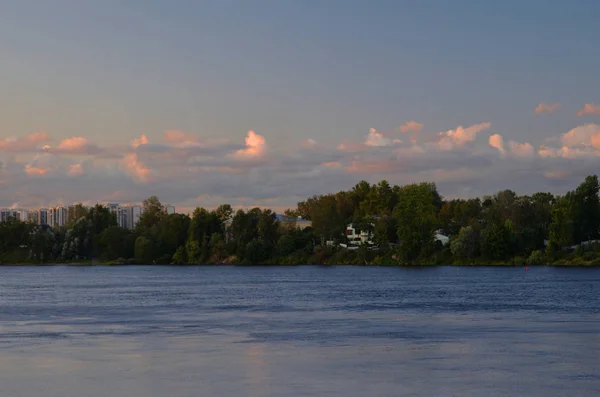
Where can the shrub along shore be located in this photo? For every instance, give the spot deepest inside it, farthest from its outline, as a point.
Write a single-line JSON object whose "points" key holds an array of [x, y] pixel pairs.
{"points": [[399, 222]]}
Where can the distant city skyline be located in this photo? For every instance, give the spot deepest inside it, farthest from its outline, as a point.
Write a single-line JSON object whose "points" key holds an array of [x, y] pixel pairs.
{"points": [[127, 215], [267, 103]]}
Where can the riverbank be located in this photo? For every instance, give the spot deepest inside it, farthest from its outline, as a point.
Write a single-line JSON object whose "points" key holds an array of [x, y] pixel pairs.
{"points": [[575, 264], [337, 257]]}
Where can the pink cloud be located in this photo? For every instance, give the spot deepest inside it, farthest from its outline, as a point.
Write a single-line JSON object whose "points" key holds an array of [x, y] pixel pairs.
{"points": [[351, 147], [543, 107], [566, 152], [580, 136], [589, 108], [30, 142], [41, 164], [524, 149], [497, 142], [137, 142], [458, 137], [181, 139], [375, 138], [256, 146], [332, 164], [37, 171], [76, 145], [75, 170], [135, 168], [411, 126], [545, 151]]}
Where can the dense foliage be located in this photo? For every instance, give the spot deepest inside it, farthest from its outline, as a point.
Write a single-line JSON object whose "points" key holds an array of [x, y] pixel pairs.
{"points": [[404, 221]]}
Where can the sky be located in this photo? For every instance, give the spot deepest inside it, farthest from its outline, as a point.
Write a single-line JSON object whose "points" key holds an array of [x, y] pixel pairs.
{"points": [[269, 102]]}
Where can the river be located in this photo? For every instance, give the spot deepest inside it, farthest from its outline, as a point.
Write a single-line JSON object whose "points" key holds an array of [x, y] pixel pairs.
{"points": [[298, 331]]}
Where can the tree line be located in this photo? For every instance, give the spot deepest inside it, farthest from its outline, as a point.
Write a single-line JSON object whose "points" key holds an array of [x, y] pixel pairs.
{"points": [[504, 228]]}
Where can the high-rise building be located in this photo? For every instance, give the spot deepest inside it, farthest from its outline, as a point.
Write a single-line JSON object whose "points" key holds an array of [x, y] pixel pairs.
{"points": [[33, 217], [7, 213], [113, 207], [169, 209], [43, 216], [23, 215], [123, 217], [136, 213], [57, 216]]}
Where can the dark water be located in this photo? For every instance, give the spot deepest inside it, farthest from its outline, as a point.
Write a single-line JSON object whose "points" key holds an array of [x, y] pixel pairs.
{"points": [[298, 331]]}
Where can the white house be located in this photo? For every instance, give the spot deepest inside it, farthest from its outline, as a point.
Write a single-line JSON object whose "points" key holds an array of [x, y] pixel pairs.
{"points": [[358, 237]]}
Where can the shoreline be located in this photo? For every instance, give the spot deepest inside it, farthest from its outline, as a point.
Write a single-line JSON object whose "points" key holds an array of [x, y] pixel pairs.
{"points": [[104, 264]]}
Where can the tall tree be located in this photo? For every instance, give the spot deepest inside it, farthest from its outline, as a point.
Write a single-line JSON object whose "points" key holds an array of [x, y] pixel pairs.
{"points": [[416, 218]]}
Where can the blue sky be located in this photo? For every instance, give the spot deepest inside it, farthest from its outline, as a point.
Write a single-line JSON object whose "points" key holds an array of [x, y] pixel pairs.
{"points": [[294, 70]]}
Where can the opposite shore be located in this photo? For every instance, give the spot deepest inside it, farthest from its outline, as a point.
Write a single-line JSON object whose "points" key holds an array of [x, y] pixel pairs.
{"points": [[376, 224]]}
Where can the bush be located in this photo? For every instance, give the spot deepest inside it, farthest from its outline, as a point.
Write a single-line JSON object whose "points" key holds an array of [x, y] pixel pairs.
{"points": [[589, 256], [537, 258]]}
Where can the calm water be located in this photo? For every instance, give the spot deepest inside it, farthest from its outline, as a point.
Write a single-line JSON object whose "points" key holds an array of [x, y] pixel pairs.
{"points": [[298, 331]]}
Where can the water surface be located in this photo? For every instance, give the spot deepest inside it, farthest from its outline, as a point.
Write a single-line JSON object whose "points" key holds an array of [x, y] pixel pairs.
{"points": [[298, 331]]}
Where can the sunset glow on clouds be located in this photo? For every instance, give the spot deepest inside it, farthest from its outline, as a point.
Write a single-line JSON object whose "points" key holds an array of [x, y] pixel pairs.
{"points": [[589, 109], [543, 107], [182, 166]]}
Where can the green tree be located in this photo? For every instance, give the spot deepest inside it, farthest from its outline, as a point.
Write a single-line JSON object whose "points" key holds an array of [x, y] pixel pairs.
{"points": [[224, 212], [41, 242], [466, 244], [173, 232], [180, 256], [495, 242], [562, 223], [101, 218], [415, 215], [116, 242], [144, 250], [286, 245], [586, 210], [256, 252], [152, 213]]}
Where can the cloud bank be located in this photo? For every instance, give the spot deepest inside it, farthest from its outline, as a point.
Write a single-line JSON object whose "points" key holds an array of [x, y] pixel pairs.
{"points": [[188, 170]]}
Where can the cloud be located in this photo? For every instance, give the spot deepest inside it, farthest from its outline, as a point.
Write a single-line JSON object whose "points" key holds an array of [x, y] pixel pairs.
{"points": [[496, 141], [544, 107], [189, 170], [137, 142], [411, 126], [589, 108], [135, 168], [180, 139], [75, 170], [375, 138], [256, 146], [458, 137], [28, 143], [309, 143], [41, 164], [524, 149], [581, 135], [76, 145]]}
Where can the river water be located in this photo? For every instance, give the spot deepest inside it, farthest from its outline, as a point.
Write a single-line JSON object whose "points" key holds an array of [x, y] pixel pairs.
{"points": [[298, 331]]}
